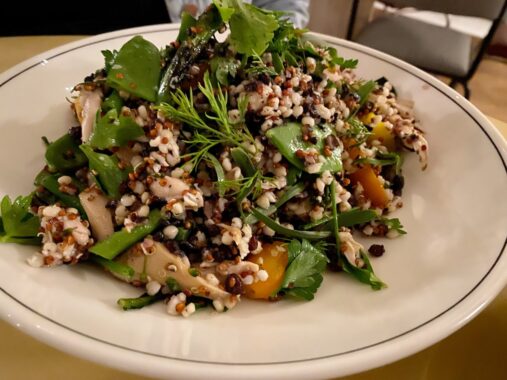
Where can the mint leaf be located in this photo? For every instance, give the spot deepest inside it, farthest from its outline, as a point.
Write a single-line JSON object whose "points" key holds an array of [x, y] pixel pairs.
{"points": [[17, 223], [113, 131], [304, 271]]}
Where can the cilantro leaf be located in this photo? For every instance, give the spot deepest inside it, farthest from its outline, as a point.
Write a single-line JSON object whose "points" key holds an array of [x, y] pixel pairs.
{"points": [[304, 271], [393, 224], [252, 29], [17, 223], [336, 60], [365, 275], [113, 131]]}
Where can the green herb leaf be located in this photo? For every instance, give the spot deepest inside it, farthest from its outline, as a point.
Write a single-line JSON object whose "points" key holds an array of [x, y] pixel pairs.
{"points": [[64, 154], [136, 69], [278, 228], [363, 91], [219, 170], [113, 131], [288, 139], [393, 224], [109, 57], [303, 275], [335, 59], [112, 102], [356, 216], [251, 28], [365, 275], [109, 174], [17, 223], [223, 67]]}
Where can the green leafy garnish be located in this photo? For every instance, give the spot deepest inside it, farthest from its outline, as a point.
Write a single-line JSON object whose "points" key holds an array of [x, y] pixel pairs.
{"points": [[288, 139], [17, 223], [365, 275], [384, 159], [363, 91], [251, 28], [122, 270], [357, 130], [135, 69], [277, 227], [113, 131], [50, 183], [108, 172], [393, 224], [306, 265], [109, 57], [336, 60], [223, 67], [64, 154]]}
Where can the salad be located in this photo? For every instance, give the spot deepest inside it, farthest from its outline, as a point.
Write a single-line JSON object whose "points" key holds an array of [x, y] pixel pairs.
{"points": [[239, 161]]}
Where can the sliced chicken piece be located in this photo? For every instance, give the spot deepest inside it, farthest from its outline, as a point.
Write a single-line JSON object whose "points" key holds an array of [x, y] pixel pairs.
{"points": [[160, 264], [86, 106], [169, 188], [99, 216]]}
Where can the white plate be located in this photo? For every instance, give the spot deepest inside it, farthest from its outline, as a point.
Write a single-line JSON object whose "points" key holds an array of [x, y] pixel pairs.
{"points": [[440, 275]]}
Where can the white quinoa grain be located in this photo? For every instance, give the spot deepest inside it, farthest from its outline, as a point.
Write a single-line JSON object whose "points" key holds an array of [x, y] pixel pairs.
{"points": [[153, 287], [143, 211], [308, 121], [127, 200], [170, 231], [64, 180], [262, 275]]}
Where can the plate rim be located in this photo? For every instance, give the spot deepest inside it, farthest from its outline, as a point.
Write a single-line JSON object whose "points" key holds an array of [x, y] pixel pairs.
{"points": [[54, 333]]}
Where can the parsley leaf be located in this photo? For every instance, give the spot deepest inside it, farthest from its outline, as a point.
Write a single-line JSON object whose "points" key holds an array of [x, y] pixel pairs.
{"points": [[113, 131], [17, 223], [336, 60], [304, 271], [251, 28], [393, 224]]}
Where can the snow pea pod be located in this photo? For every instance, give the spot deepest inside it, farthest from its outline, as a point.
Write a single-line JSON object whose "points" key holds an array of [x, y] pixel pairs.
{"points": [[136, 69], [123, 239], [50, 183], [64, 154], [139, 302], [121, 270], [288, 139], [109, 174]]}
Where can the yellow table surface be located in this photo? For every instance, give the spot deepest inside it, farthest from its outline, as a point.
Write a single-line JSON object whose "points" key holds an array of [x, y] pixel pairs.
{"points": [[477, 351]]}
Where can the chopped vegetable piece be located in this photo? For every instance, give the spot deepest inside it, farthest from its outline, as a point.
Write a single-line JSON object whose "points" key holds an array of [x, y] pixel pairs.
{"points": [[64, 154], [310, 235], [289, 140], [136, 69], [273, 259], [121, 240], [118, 269], [17, 223], [139, 302], [113, 131], [364, 275], [373, 189], [109, 174]]}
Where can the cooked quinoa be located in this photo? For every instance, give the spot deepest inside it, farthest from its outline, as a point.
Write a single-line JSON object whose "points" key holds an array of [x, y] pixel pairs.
{"points": [[239, 174]]}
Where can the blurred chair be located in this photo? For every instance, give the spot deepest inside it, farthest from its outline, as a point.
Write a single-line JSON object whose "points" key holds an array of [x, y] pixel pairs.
{"points": [[439, 50]]}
